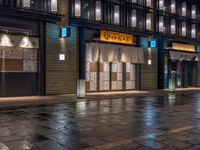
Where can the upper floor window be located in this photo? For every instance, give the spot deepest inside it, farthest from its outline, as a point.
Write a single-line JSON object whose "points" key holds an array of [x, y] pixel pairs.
{"points": [[161, 5], [26, 3], [161, 24], [77, 8], [173, 6], [149, 21], [54, 6], [133, 18], [116, 14], [193, 13], [183, 28], [173, 26], [98, 11], [183, 9], [193, 31], [149, 3]]}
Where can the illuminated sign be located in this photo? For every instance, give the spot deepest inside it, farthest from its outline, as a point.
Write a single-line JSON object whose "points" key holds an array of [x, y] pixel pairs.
{"points": [[116, 37], [153, 44], [183, 47], [63, 32]]}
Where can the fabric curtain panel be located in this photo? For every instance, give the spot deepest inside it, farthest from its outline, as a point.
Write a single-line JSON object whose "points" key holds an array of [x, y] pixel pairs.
{"points": [[125, 54], [95, 51], [107, 52], [134, 55], [140, 52]]}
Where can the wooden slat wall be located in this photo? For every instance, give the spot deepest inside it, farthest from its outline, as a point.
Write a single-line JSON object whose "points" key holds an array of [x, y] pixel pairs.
{"points": [[198, 74], [149, 77]]}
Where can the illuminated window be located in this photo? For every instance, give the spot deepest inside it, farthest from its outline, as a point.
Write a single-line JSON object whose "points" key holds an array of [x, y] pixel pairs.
{"points": [[173, 6], [148, 21], [183, 29], [148, 3], [193, 13], [161, 24], [193, 31], [116, 14], [98, 10], [54, 6], [173, 26], [77, 8], [161, 4], [133, 18], [183, 9], [26, 3]]}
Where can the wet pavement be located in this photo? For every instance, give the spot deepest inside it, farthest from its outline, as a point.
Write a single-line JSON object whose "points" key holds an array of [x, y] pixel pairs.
{"points": [[162, 121]]}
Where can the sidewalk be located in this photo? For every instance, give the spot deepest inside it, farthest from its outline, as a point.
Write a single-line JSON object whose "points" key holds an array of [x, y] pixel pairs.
{"points": [[35, 100]]}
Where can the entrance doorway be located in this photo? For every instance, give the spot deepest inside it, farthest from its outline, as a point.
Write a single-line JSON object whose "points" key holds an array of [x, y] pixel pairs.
{"points": [[185, 73]]}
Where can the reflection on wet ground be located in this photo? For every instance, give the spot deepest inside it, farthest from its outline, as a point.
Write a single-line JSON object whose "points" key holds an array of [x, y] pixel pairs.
{"points": [[145, 122]]}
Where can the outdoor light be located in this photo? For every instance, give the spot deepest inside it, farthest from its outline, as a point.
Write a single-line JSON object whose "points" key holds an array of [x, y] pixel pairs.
{"points": [[133, 18], [98, 10], [77, 8], [153, 44], [64, 32], [173, 6], [26, 3], [62, 57], [193, 31], [54, 6], [149, 62]]}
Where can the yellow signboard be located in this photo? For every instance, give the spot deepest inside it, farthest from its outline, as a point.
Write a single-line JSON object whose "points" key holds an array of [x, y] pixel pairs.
{"points": [[116, 37], [183, 47]]}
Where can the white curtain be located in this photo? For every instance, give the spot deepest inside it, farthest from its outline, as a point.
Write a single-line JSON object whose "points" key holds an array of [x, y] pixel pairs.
{"points": [[95, 51]]}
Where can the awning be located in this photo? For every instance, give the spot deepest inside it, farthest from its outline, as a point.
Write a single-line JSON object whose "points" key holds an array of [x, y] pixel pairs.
{"points": [[182, 56], [114, 52]]}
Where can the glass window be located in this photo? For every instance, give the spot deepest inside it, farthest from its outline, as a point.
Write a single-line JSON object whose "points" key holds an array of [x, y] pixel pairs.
{"points": [[173, 26], [149, 21], [133, 18], [98, 10], [148, 3], [161, 24], [161, 4], [77, 8], [26, 3], [54, 6], [183, 9], [193, 13], [193, 31], [173, 6], [116, 14], [183, 28]]}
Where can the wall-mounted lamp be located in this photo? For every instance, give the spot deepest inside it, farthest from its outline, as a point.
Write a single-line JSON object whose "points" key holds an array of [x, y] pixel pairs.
{"points": [[62, 57], [64, 32]]}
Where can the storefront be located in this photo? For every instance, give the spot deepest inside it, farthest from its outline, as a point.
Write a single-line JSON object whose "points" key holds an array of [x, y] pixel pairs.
{"points": [[112, 62], [18, 65], [181, 66]]}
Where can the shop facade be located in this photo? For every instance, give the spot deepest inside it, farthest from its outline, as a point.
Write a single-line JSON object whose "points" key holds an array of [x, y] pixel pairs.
{"points": [[180, 65]]}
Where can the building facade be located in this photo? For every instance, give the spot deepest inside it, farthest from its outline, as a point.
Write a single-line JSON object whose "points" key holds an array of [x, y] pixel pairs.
{"points": [[164, 47], [22, 45], [78, 46]]}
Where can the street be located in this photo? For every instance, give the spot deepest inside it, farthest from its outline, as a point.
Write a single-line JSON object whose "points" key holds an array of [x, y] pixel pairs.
{"points": [[162, 121]]}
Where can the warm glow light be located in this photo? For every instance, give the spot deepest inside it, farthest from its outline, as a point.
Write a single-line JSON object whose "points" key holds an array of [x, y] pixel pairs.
{"points": [[5, 41]]}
